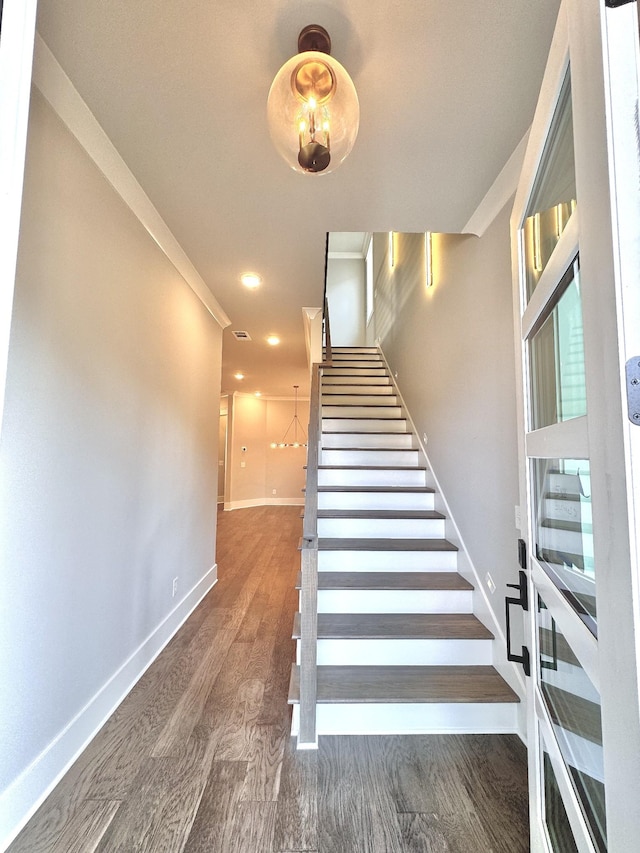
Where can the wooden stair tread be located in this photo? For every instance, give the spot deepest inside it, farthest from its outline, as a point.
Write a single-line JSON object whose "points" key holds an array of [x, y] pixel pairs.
{"points": [[420, 684], [362, 544], [398, 626], [391, 581], [381, 513], [379, 489]]}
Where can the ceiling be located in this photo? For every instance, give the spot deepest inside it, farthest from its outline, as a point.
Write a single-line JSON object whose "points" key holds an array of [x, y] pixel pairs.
{"points": [[447, 90]]}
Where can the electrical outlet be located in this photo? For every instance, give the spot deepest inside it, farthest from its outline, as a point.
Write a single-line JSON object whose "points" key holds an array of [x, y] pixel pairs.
{"points": [[490, 584], [518, 517], [174, 588], [243, 464], [396, 374], [274, 491], [424, 438]]}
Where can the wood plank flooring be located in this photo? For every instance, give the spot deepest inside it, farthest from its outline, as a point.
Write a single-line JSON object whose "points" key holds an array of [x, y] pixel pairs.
{"points": [[198, 758]]}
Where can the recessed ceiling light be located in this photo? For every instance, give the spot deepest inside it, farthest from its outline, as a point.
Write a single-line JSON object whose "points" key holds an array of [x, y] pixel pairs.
{"points": [[239, 375], [273, 340], [251, 280], [258, 393]]}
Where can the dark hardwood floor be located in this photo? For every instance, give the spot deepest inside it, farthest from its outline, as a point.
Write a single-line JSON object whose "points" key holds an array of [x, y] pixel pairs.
{"points": [[198, 758]]}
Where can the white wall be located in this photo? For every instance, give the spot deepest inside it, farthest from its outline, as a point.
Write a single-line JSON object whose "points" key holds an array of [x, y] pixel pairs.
{"points": [[108, 463], [452, 347], [346, 297]]}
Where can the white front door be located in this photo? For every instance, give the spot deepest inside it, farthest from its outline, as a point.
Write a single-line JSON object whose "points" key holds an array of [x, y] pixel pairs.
{"points": [[576, 249]]}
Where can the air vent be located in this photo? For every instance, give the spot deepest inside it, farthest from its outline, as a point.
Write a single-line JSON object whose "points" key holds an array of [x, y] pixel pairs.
{"points": [[242, 336]]}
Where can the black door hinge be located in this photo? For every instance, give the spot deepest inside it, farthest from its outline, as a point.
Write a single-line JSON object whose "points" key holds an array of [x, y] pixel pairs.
{"points": [[613, 4]]}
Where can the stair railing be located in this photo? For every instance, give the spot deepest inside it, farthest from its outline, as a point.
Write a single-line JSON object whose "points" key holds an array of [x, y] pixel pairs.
{"points": [[325, 306], [328, 354], [307, 734]]}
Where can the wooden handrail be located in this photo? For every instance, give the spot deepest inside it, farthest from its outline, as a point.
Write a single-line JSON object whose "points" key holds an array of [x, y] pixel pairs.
{"points": [[307, 736], [328, 355]]}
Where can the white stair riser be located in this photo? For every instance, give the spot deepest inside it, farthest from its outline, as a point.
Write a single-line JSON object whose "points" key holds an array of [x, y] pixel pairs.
{"points": [[368, 390], [394, 601], [390, 441], [387, 561], [358, 350], [381, 528], [371, 477], [370, 456], [334, 381], [403, 652], [376, 500], [410, 718], [359, 400], [383, 412], [363, 424]]}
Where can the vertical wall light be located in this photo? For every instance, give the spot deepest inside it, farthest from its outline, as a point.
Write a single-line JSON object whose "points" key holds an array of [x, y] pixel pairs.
{"points": [[392, 249], [428, 267], [537, 249]]}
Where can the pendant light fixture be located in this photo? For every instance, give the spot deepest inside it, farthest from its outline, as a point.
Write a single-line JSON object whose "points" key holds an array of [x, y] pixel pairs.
{"points": [[312, 107], [295, 425]]}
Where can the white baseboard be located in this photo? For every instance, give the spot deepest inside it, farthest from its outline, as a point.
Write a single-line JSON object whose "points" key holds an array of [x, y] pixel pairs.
{"points": [[28, 791], [229, 505]]}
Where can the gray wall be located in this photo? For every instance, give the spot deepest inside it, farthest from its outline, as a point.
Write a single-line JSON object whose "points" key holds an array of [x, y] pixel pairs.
{"points": [[108, 462], [452, 347]]}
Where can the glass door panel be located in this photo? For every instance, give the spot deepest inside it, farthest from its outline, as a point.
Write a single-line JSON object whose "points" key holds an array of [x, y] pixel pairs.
{"points": [[553, 198], [555, 813], [573, 706], [563, 531], [557, 376]]}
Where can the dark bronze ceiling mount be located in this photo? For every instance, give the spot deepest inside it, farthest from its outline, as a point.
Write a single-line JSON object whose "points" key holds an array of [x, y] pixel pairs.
{"points": [[314, 37]]}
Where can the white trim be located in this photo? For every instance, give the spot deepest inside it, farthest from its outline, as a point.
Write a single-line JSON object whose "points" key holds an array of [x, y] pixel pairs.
{"points": [[231, 505], [29, 790], [564, 440], [345, 256], [16, 56], [63, 97], [498, 193]]}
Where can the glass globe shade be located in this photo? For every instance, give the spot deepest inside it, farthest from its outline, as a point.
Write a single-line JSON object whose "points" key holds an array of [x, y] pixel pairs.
{"points": [[313, 112]]}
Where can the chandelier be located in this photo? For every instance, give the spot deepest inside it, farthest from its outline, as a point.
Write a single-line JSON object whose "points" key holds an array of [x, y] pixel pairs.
{"points": [[295, 425]]}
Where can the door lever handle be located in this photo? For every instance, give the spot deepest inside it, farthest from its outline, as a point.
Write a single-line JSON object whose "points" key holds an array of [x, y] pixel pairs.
{"points": [[523, 601]]}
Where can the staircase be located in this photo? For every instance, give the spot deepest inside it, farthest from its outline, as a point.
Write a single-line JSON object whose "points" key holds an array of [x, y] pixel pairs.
{"points": [[399, 649]]}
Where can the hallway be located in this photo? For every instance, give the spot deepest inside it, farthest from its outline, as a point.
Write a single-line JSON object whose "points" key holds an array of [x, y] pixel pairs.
{"points": [[198, 757]]}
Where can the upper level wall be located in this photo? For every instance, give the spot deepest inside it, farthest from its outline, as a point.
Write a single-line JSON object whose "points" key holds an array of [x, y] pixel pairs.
{"points": [[346, 297], [452, 348]]}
